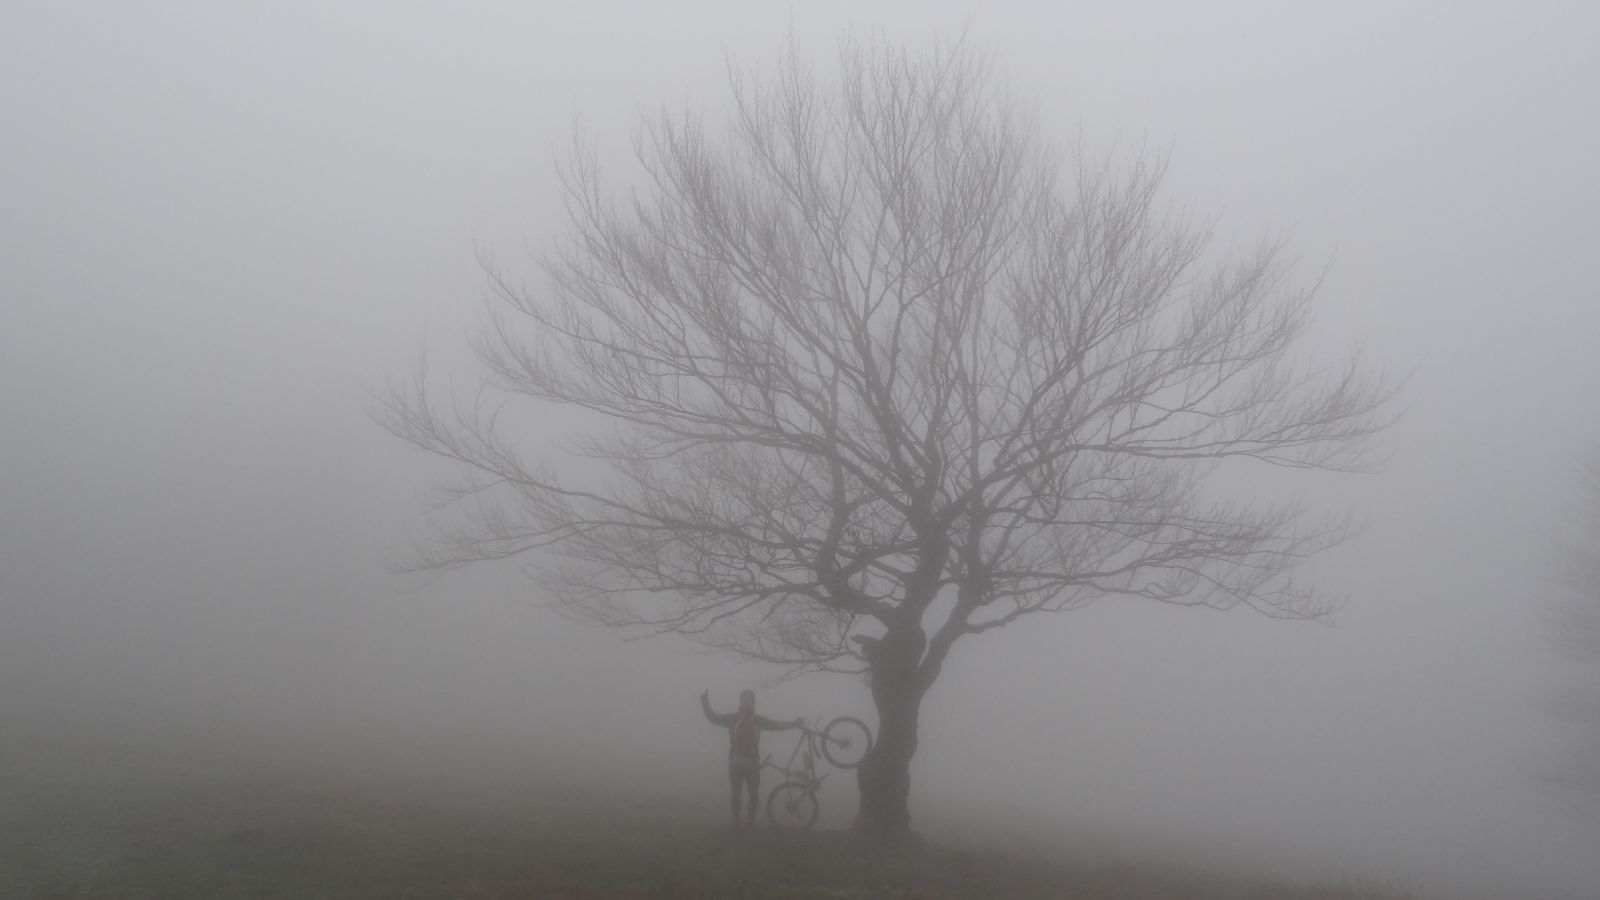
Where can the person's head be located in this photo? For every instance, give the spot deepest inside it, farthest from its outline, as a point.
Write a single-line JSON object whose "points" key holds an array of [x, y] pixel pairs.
{"points": [[747, 701]]}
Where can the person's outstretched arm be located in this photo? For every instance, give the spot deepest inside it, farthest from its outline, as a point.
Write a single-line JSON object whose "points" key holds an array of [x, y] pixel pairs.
{"points": [[713, 717], [771, 725]]}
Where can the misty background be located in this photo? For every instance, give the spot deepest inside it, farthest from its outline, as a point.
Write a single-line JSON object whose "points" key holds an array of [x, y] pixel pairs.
{"points": [[223, 226]]}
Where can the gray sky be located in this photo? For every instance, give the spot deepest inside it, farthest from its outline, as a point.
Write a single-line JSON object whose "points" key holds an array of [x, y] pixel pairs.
{"points": [[223, 224]]}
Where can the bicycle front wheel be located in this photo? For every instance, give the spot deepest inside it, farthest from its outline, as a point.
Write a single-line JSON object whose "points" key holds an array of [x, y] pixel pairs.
{"points": [[792, 805], [845, 742]]}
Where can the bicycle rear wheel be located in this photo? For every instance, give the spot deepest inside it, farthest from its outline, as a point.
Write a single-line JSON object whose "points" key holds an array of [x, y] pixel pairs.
{"points": [[845, 742], [792, 804]]}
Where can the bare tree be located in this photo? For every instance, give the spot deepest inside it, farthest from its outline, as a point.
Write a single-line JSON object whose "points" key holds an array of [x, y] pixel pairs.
{"points": [[1576, 634], [872, 369]]}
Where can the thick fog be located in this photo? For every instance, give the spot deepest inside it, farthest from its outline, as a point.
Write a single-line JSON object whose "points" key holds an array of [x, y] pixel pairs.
{"points": [[222, 226]]}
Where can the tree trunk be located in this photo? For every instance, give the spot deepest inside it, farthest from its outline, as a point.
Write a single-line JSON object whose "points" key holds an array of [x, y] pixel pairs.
{"points": [[884, 777]]}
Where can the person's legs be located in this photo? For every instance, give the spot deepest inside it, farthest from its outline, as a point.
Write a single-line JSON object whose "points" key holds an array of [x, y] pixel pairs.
{"points": [[735, 782], [753, 785]]}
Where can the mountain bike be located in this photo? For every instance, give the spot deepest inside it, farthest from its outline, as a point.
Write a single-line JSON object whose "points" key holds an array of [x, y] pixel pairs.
{"points": [[844, 743]]}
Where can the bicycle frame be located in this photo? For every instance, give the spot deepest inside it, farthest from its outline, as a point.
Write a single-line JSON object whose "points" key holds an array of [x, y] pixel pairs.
{"points": [[793, 803], [806, 773]]}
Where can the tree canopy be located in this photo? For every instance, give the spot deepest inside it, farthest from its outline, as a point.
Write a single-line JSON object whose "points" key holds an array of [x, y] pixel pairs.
{"points": [[870, 366]]}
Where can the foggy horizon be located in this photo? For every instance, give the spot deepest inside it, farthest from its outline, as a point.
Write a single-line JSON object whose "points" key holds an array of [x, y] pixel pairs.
{"points": [[224, 229]]}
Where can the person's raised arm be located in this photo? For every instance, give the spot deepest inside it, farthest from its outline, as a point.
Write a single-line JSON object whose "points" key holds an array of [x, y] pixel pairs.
{"points": [[712, 717]]}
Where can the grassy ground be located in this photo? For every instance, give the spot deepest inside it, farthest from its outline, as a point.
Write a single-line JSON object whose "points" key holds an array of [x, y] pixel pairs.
{"points": [[104, 835]]}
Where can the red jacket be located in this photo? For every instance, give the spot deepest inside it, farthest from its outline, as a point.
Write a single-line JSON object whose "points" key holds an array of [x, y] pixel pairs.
{"points": [[744, 731]]}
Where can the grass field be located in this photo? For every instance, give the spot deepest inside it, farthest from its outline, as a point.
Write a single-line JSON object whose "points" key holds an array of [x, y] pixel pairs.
{"points": [[92, 831]]}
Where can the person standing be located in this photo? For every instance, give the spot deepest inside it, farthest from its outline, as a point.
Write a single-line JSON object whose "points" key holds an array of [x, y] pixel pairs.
{"points": [[744, 747]]}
